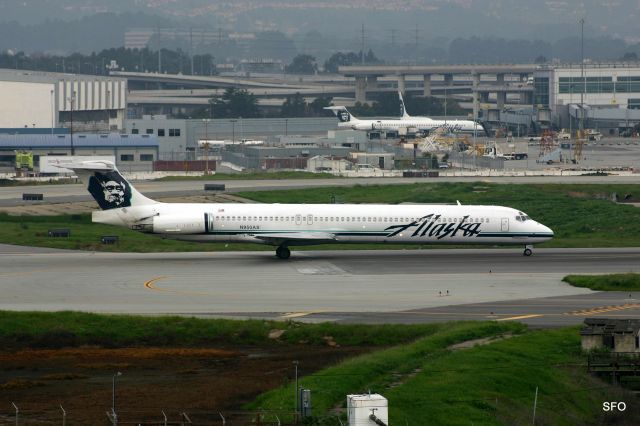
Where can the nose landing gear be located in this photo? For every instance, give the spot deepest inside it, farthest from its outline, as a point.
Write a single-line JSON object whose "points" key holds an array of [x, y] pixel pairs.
{"points": [[283, 252], [528, 250]]}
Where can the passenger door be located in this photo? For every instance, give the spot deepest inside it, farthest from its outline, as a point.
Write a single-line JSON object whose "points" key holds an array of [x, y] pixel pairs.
{"points": [[298, 219], [505, 224]]}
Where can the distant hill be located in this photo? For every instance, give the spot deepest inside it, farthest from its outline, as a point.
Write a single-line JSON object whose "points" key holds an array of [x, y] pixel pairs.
{"points": [[616, 18], [393, 28]]}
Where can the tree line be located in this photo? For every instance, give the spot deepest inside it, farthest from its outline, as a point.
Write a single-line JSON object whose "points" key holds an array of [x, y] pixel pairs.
{"points": [[137, 60], [170, 61], [235, 103], [388, 105]]}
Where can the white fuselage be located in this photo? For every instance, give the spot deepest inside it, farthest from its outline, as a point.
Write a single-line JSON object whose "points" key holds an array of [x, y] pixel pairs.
{"points": [[420, 124], [340, 223]]}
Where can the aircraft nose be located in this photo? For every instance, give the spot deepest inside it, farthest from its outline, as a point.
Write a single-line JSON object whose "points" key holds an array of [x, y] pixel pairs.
{"points": [[547, 230]]}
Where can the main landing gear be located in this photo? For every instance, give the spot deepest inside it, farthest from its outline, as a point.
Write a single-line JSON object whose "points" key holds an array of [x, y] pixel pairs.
{"points": [[283, 252], [528, 251]]}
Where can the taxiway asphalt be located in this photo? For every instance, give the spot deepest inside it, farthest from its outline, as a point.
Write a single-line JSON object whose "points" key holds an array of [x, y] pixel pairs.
{"points": [[12, 196], [399, 286]]}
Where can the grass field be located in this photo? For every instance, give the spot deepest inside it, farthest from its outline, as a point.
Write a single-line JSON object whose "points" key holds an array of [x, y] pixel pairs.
{"points": [[427, 384], [414, 366], [580, 215], [70, 329], [610, 282]]}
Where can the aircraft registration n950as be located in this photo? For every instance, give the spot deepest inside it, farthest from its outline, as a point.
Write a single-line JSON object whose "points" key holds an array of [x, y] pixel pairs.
{"points": [[287, 225]]}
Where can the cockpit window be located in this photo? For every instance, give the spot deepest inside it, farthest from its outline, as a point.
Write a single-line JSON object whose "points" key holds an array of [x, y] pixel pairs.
{"points": [[522, 217]]}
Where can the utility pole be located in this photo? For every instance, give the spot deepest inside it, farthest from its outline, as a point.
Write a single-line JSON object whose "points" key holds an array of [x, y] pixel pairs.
{"points": [[191, 47], [113, 398], [159, 50], [535, 406], [362, 47], [295, 363], [17, 413]]}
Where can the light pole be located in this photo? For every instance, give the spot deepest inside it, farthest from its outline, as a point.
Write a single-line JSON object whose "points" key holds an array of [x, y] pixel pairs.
{"points": [[72, 100], [53, 112], [113, 397], [584, 84], [233, 131], [445, 104]]}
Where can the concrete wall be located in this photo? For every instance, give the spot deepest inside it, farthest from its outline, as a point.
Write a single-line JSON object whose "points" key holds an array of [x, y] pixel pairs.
{"points": [[625, 343], [622, 342], [26, 104], [325, 164], [591, 342]]}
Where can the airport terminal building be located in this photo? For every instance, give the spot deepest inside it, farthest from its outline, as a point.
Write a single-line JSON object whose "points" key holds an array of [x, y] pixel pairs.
{"points": [[608, 96]]}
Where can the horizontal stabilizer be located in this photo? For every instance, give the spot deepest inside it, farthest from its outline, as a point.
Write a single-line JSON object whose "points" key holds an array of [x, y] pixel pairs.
{"points": [[89, 166]]}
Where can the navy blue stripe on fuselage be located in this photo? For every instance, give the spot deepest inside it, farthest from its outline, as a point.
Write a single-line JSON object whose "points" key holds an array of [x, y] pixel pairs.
{"points": [[266, 231], [515, 234]]}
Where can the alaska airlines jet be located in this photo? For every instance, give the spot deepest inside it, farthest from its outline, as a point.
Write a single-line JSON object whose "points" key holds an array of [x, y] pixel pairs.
{"points": [[287, 225], [420, 124]]}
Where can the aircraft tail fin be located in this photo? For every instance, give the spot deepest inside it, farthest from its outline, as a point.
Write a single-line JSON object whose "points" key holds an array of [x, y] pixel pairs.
{"points": [[105, 183], [403, 109], [343, 115]]}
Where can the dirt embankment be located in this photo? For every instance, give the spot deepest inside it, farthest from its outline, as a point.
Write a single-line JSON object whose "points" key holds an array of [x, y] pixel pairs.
{"points": [[198, 381]]}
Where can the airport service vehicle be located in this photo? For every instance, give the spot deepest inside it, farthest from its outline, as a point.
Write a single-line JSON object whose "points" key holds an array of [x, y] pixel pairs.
{"points": [[287, 225], [492, 151], [405, 123]]}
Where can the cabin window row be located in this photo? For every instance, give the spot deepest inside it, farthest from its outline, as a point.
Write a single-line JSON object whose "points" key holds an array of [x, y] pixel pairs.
{"points": [[345, 219]]}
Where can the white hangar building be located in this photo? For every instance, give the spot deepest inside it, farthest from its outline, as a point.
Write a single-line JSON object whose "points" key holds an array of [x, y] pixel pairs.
{"points": [[35, 99]]}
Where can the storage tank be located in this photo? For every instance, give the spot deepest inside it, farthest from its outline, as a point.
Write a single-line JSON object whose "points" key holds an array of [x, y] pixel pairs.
{"points": [[361, 407]]}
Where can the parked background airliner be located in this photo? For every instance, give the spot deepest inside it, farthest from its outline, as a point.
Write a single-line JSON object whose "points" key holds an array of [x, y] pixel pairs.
{"points": [[416, 124], [286, 225]]}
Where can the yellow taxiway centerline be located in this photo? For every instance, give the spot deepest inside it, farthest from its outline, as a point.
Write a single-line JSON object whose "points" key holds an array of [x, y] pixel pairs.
{"points": [[151, 286], [298, 314], [520, 317]]}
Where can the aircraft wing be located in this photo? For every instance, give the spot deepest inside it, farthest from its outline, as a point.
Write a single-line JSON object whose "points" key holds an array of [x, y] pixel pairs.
{"points": [[299, 237]]}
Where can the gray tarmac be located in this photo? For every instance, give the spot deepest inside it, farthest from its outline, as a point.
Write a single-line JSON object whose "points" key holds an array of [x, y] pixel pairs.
{"points": [[399, 286], [75, 193]]}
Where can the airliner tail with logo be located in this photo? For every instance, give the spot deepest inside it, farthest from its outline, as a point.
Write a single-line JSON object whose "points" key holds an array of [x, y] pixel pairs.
{"points": [[287, 225]]}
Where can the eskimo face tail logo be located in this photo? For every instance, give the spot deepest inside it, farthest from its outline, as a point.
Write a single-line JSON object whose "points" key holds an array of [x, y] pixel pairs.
{"points": [[344, 116], [110, 190]]}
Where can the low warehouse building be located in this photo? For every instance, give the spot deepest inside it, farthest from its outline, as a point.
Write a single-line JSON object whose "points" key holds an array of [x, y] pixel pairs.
{"points": [[133, 153], [618, 335]]}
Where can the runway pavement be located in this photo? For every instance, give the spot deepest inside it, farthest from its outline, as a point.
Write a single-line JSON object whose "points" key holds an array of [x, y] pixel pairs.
{"points": [[402, 286]]}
